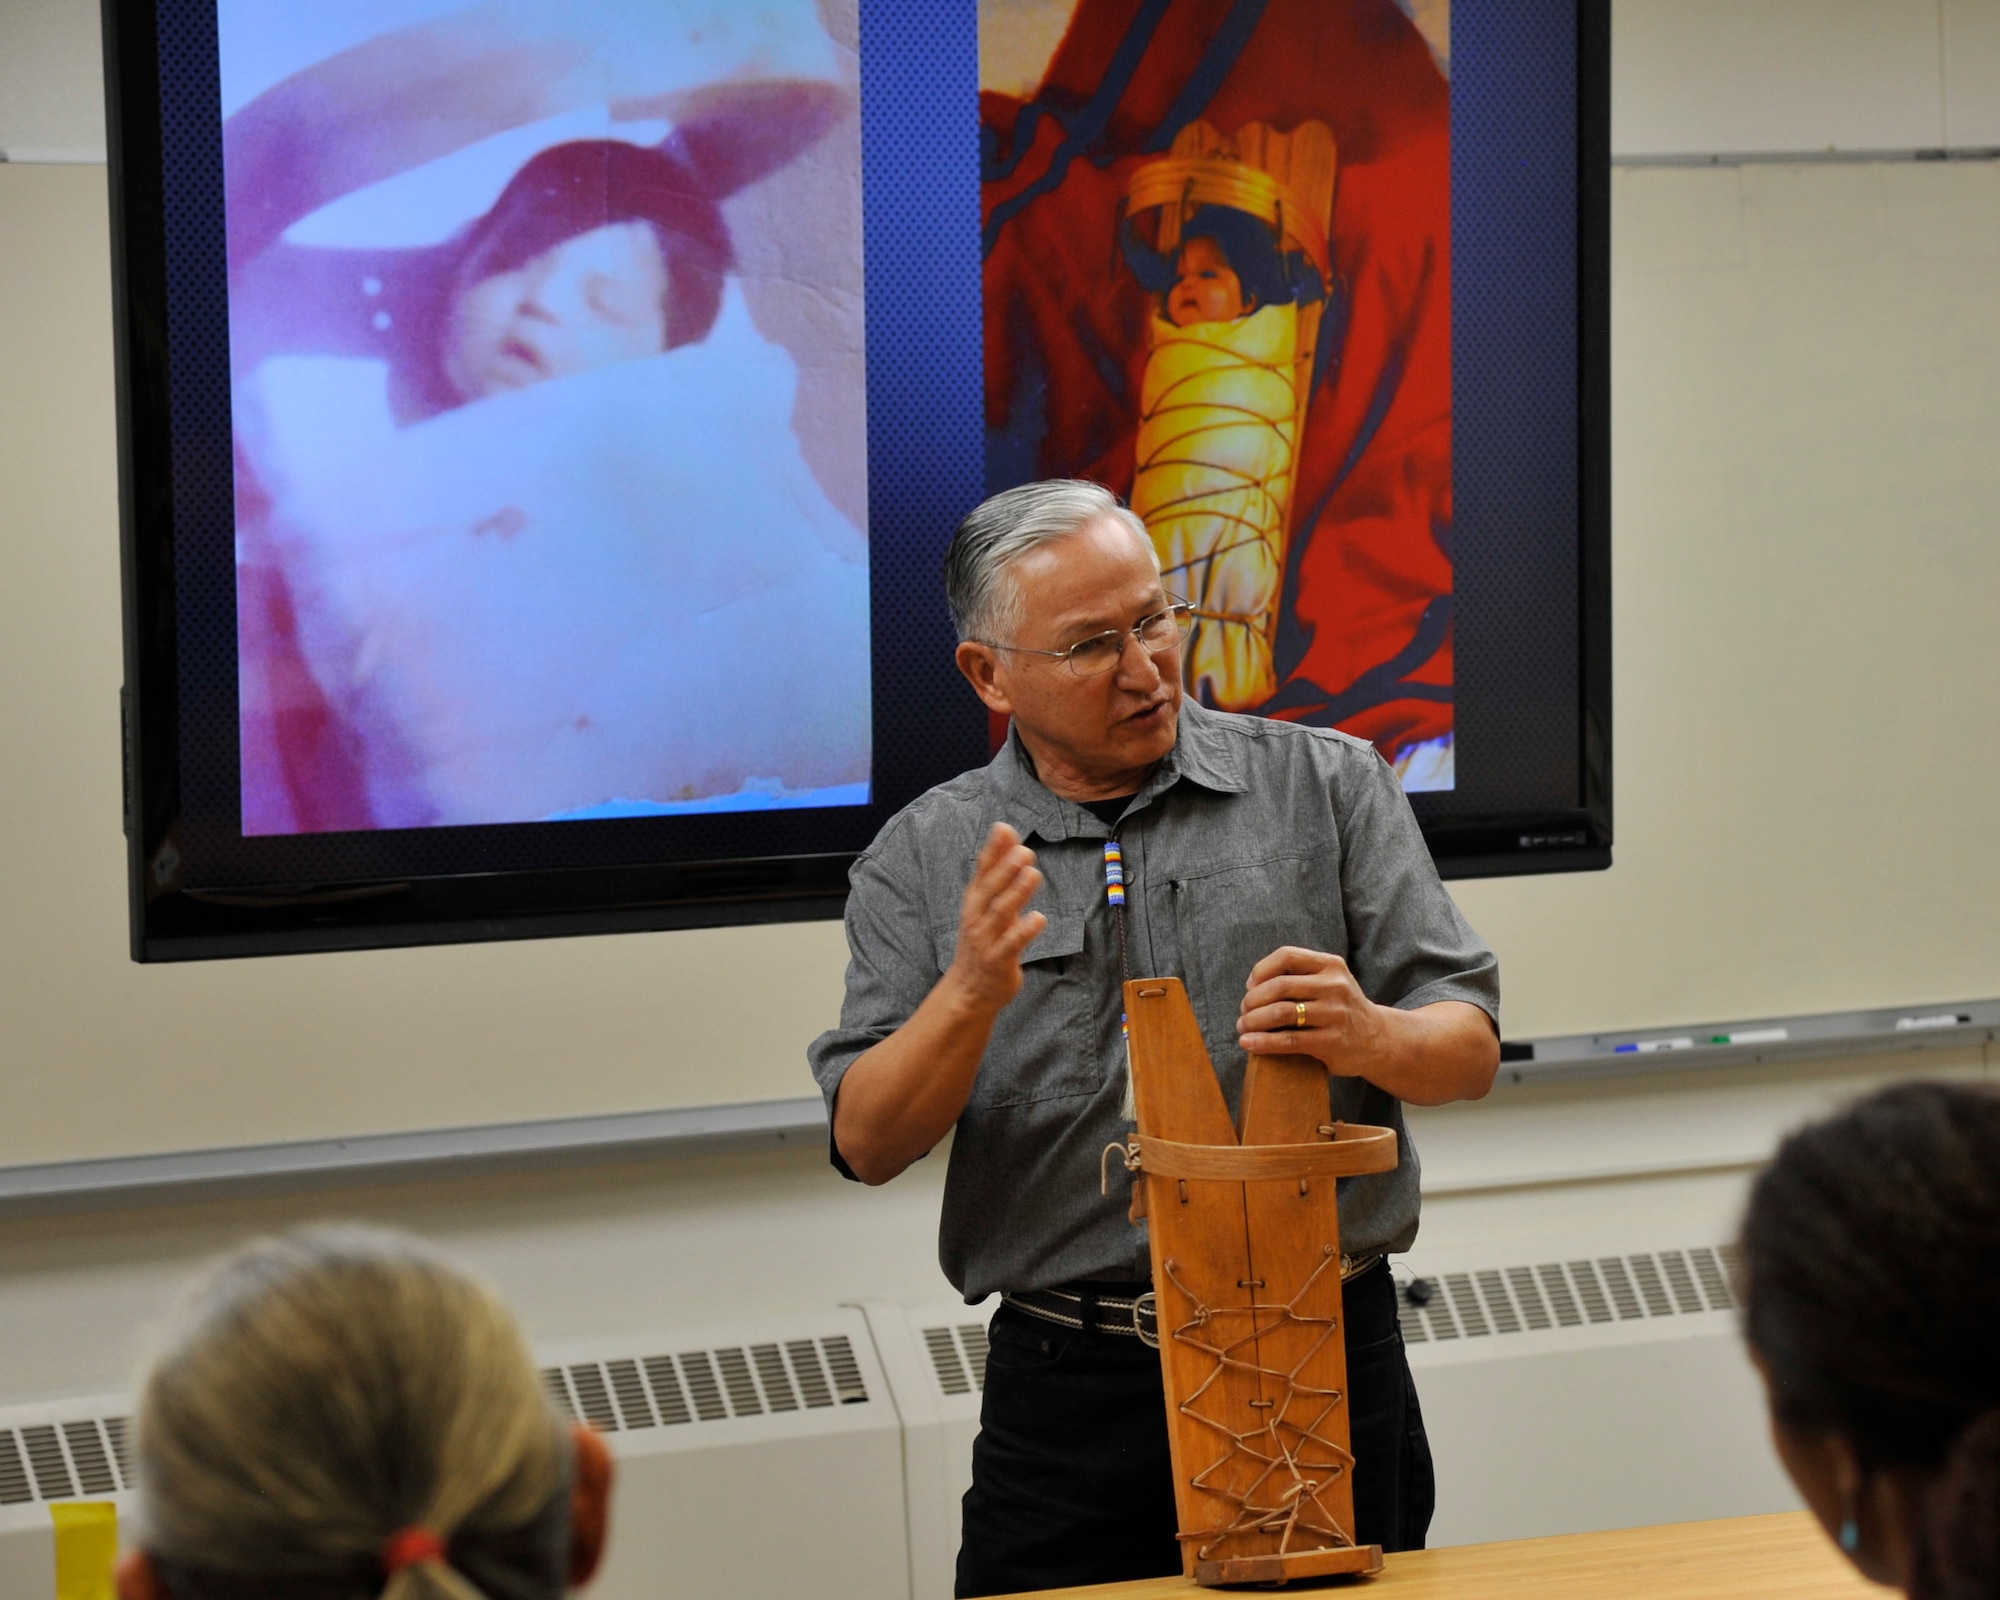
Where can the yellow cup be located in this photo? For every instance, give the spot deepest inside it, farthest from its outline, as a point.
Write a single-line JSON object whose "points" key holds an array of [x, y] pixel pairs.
{"points": [[86, 1549]]}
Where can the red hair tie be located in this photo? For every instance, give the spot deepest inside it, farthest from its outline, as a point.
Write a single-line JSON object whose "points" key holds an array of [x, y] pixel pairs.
{"points": [[411, 1547]]}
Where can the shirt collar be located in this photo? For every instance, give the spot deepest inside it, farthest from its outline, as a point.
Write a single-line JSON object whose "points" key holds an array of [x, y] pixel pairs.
{"points": [[1205, 753], [1202, 754]]}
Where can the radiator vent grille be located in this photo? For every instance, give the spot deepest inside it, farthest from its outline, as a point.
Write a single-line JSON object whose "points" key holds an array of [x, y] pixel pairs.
{"points": [[666, 1392], [13, 1472], [669, 1391], [777, 1382], [1564, 1294], [958, 1356], [846, 1370], [60, 1461], [92, 1461], [811, 1375], [115, 1429]]}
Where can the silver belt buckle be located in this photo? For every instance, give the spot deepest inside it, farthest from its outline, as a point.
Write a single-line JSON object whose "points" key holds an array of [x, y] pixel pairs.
{"points": [[1147, 1306]]}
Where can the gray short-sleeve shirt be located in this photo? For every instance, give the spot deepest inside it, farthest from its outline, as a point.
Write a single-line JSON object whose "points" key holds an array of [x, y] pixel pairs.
{"points": [[1250, 835]]}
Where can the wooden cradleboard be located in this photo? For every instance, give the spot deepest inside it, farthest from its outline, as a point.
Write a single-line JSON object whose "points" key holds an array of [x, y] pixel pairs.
{"points": [[1246, 1268]]}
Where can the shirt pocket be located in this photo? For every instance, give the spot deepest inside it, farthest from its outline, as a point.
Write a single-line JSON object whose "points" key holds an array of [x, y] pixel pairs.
{"points": [[1046, 1043], [1229, 917]]}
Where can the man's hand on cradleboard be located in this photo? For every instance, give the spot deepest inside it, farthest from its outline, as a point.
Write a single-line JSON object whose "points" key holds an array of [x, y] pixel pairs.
{"points": [[1308, 1002]]}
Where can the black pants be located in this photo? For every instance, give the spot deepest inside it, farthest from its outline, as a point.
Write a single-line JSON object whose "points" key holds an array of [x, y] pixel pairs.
{"points": [[1071, 1482]]}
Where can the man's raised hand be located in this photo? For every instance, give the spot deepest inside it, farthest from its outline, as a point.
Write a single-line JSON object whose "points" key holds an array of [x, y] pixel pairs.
{"points": [[994, 923], [903, 1093]]}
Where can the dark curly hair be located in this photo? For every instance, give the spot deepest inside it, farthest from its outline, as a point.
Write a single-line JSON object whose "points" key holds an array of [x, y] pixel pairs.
{"points": [[1872, 1251], [574, 188], [1268, 275]]}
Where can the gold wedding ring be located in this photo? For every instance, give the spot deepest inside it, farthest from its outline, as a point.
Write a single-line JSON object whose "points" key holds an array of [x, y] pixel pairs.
{"points": [[1301, 1005]]}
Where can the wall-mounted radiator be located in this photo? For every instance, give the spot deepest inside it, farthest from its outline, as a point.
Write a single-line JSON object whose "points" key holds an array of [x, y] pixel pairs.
{"points": [[1572, 1390], [1565, 1390], [935, 1357], [68, 1450], [756, 1459]]}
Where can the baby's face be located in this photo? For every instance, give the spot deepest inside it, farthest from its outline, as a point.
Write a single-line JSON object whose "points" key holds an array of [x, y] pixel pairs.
{"points": [[1207, 288], [594, 299]]}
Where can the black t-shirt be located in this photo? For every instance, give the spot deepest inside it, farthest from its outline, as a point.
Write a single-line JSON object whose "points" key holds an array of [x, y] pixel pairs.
{"points": [[1107, 811]]}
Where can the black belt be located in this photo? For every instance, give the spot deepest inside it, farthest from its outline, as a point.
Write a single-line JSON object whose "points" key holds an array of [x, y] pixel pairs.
{"points": [[1128, 1317], [1134, 1317]]}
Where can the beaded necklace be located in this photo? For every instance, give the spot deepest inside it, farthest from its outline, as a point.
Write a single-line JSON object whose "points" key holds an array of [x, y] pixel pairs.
{"points": [[1114, 893]]}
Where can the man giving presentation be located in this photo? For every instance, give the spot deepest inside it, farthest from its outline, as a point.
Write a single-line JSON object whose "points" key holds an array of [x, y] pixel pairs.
{"points": [[1278, 871]]}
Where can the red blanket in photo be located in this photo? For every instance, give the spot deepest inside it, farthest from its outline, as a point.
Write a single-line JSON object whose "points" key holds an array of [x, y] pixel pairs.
{"points": [[1366, 639]]}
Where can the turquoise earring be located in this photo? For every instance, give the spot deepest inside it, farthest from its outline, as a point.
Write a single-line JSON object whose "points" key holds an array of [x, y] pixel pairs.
{"points": [[1850, 1535]]}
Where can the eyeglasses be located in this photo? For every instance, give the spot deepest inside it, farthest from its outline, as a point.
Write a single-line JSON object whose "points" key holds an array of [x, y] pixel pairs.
{"points": [[1092, 657]]}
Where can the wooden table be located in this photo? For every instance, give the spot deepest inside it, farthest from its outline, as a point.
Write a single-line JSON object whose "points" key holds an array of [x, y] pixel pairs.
{"points": [[1738, 1558]]}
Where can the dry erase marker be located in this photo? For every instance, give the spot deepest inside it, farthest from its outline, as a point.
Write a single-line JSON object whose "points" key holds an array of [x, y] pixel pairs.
{"points": [[1943, 1019], [1751, 1036], [1647, 1046]]}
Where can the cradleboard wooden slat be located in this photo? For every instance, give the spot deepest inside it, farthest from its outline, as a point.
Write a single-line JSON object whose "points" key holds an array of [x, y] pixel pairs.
{"points": [[1246, 1269]]}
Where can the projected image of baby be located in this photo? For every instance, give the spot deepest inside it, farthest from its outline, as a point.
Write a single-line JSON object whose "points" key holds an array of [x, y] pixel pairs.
{"points": [[596, 298], [546, 332], [1214, 459], [1236, 312], [1207, 287]]}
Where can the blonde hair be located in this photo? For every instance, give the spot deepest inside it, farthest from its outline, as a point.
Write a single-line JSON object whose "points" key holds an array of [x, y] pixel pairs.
{"points": [[323, 1391]]}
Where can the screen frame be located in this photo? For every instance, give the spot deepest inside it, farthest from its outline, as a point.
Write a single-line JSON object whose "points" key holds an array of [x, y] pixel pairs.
{"points": [[1577, 838], [171, 922]]}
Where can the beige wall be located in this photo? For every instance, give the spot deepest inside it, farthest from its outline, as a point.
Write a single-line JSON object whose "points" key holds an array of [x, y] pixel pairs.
{"points": [[1806, 369], [1804, 770], [51, 81]]}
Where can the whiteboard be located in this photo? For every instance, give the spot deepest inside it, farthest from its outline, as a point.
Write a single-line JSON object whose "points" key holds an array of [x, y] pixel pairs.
{"points": [[1805, 568], [1807, 454]]}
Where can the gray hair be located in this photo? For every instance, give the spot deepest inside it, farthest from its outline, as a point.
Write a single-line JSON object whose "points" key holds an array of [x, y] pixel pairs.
{"points": [[321, 1392], [1000, 530]]}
